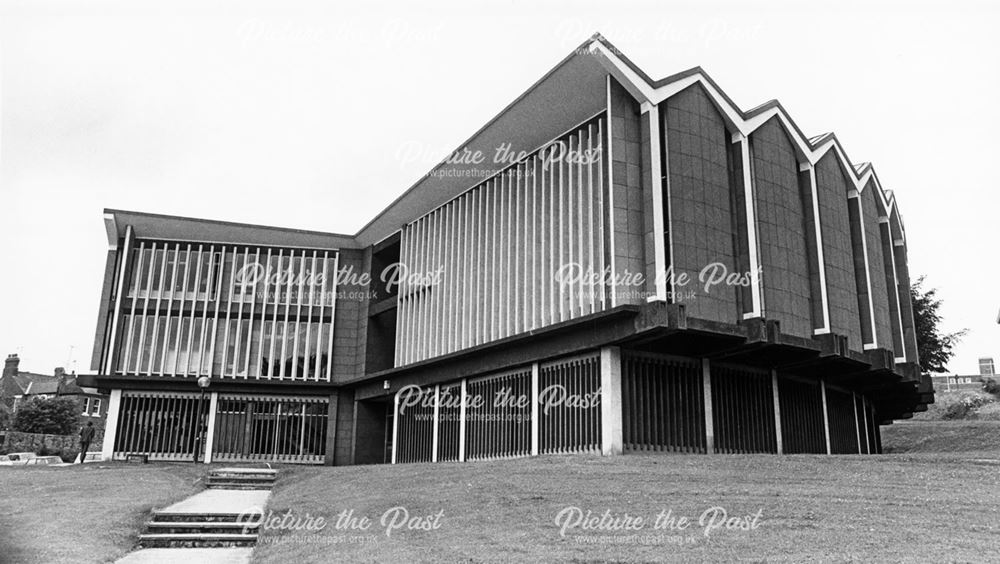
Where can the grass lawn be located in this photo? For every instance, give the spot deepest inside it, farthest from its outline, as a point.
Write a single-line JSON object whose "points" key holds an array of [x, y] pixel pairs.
{"points": [[943, 436], [912, 507], [84, 513]]}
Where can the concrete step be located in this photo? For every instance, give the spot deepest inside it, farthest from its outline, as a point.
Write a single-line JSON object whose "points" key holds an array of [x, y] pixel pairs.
{"points": [[196, 540], [238, 486], [240, 479], [244, 473], [177, 528], [174, 517]]}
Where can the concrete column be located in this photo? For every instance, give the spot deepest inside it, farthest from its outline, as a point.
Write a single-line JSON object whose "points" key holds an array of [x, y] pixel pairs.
{"points": [[534, 409], [461, 424], [777, 411], [864, 415], [434, 425], [706, 377], [213, 407], [826, 415], [611, 401], [111, 425], [395, 426], [857, 426], [332, 411]]}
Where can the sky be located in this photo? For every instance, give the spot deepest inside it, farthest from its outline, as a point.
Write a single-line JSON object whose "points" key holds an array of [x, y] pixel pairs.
{"points": [[318, 115]]}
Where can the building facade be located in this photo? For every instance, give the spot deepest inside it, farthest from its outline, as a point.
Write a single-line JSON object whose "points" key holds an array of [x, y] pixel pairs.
{"points": [[635, 265]]}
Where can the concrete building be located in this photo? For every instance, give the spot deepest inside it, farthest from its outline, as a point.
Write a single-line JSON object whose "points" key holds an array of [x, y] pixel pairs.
{"points": [[653, 268]]}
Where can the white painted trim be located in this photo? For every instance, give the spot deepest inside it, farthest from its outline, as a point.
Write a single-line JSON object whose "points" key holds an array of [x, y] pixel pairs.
{"points": [[734, 116], [111, 425], [757, 309], [824, 298], [652, 114]]}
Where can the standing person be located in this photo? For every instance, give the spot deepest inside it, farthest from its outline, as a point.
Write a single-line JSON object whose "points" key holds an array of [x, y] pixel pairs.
{"points": [[86, 436]]}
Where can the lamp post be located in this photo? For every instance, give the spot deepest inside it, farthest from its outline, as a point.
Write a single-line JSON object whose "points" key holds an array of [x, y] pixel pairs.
{"points": [[203, 382]]}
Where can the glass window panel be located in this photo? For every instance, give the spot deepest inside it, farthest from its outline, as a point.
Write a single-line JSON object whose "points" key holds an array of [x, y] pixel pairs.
{"points": [[254, 369], [192, 271], [136, 327], [266, 358], [220, 343], [157, 268], [272, 273], [182, 256], [170, 362], [182, 347], [123, 346], [147, 345], [194, 355], [161, 338], [231, 348], [206, 353]]}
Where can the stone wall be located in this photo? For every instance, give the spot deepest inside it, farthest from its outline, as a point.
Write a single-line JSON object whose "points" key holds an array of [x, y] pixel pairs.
{"points": [[66, 446]]}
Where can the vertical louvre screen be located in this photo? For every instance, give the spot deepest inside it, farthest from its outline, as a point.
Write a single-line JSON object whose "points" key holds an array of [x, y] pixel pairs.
{"points": [[663, 404], [228, 311], [161, 425], [279, 429], [843, 433], [415, 433], [801, 417], [743, 410], [498, 247], [448, 423], [569, 406], [499, 420]]}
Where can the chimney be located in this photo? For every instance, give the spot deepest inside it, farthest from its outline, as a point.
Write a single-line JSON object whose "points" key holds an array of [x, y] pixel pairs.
{"points": [[10, 365]]}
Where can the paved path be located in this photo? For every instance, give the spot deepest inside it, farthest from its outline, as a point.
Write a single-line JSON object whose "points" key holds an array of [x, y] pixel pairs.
{"points": [[188, 556], [220, 501]]}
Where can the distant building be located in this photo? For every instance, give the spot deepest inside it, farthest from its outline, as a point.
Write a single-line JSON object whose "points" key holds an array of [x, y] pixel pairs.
{"points": [[986, 367], [16, 387], [956, 382]]}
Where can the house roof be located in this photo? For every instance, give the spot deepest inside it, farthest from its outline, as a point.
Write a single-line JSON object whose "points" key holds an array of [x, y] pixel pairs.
{"points": [[31, 383]]}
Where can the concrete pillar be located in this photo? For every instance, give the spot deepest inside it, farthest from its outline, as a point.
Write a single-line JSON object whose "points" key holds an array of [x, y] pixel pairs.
{"points": [[111, 425], [461, 424], [534, 409], [857, 426], [434, 424], [826, 415], [611, 401], [777, 411], [213, 407], [706, 377], [864, 414], [332, 411], [395, 426]]}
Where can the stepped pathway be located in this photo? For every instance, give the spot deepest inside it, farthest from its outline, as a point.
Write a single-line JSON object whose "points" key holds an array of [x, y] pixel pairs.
{"points": [[218, 525]]}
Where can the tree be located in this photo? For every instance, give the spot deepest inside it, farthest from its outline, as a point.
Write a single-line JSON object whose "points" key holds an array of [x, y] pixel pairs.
{"points": [[51, 416], [933, 346]]}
